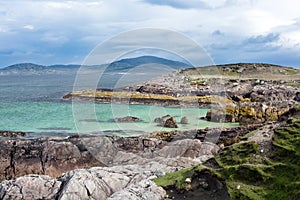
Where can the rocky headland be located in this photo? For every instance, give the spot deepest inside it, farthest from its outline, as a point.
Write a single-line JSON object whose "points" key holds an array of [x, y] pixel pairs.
{"points": [[245, 93], [257, 160]]}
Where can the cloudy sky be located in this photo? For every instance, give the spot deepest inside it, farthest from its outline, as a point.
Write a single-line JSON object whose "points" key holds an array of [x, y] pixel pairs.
{"points": [[51, 32]]}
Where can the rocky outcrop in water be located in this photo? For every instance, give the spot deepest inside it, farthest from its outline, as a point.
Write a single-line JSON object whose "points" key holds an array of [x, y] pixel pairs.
{"points": [[166, 121], [257, 92]]}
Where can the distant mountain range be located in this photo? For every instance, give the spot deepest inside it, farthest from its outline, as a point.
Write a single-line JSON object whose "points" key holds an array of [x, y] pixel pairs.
{"points": [[120, 65]]}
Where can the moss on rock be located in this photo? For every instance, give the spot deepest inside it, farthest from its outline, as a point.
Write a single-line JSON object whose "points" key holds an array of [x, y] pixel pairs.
{"points": [[251, 175]]}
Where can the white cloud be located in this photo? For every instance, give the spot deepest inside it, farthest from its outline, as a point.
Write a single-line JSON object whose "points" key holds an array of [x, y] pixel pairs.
{"points": [[91, 22], [28, 27], [2, 30]]}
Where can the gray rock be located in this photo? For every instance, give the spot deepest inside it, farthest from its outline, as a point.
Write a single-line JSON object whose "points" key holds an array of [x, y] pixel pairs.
{"points": [[30, 187], [143, 190], [166, 121], [43, 156], [181, 148], [297, 97], [102, 148], [131, 162], [94, 183]]}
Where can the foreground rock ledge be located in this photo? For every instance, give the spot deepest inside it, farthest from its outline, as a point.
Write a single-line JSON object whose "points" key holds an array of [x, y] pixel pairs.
{"points": [[94, 183], [121, 162], [124, 165], [128, 164]]}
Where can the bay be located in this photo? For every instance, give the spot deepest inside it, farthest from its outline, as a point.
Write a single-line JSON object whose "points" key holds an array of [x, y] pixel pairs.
{"points": [[33, 104]]}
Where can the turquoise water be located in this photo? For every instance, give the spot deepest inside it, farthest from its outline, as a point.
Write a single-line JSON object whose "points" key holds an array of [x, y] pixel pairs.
{"points": [[33, 104], [56, 118]]}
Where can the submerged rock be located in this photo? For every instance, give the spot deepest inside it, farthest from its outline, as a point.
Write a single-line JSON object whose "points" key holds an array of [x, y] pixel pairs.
{"points": [[184, 120], [125, 119]]}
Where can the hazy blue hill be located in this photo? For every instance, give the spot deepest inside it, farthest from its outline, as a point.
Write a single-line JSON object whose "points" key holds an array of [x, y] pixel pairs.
{"points": [[120, 65], [71, 66], [25, 66], [129, 63]]}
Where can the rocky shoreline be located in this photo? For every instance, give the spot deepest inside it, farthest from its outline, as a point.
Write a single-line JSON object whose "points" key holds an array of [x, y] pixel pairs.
{"points": [[258, 159], [126, 163], [236, 93], [103, 167]]}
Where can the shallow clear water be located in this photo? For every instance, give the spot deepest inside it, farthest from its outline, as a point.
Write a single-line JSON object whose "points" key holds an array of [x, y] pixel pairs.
{"points": [[33, 104], [56, 118]]}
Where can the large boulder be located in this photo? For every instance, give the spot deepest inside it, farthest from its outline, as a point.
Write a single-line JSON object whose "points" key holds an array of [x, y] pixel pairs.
{"points": [[166, 121]]}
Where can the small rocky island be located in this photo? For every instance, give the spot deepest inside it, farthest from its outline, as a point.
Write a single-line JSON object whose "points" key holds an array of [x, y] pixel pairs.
{"points": [[257, 160]]}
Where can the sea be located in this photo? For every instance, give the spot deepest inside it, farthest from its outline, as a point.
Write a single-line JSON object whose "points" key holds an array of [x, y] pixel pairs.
{"points": [[33, 103]]}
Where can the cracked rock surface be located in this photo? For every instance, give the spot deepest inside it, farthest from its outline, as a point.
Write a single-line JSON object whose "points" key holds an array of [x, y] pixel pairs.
{"points": [[94, 183], [66, 169]]}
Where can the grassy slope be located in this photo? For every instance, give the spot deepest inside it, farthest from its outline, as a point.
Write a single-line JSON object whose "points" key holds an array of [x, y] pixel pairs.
{"points": [[276, 176], [249, 69]]}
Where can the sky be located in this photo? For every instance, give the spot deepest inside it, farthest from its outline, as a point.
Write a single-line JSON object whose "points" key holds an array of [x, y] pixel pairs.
{"points": [[229, 31]]}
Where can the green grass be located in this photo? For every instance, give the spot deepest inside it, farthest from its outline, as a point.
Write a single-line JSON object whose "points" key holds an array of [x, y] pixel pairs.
{"points": [[276, 176], [293, 84], [237, 154], [291, 71], [177, 178], [197, 81], [273, 177]]}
